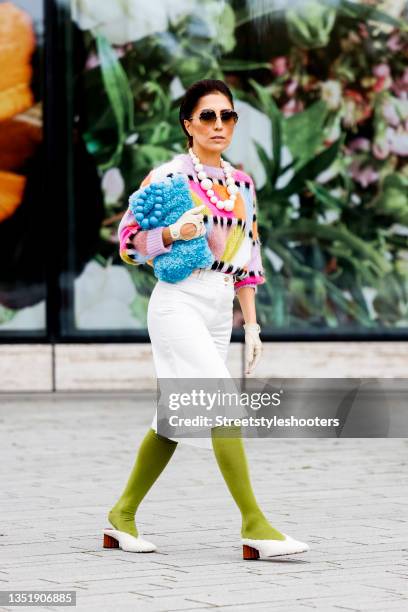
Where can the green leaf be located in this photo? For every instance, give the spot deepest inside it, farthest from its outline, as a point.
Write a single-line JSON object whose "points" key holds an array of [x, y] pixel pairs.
{"points": [[324, 196], [333, 293], [267, 163], [230, 65], [310, 23], [225, 24], [392, 199], [349, 307], [276, 293], [119, 94], [138, 308], [268, 106], [368, 276], [365, 12], [6, 314], [307, 227], [312, 168], [303, 132]]}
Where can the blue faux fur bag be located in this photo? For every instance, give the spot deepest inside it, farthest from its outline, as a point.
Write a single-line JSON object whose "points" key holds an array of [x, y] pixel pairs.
{"points": [[161, 204]]}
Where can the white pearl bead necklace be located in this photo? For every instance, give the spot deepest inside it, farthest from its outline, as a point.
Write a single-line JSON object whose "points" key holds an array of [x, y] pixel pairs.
{"points": [[206, 183]]}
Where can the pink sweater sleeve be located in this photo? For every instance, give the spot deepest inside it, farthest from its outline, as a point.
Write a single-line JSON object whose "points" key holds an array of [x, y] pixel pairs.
{"points": [[255, 273], [137, 246]]}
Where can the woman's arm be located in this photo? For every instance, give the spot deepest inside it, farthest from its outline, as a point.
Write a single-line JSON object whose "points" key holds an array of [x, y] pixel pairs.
{"points": [[246, 288], [137, 246], [253, 344], [246, 298], [188, 231], [167, 239]]}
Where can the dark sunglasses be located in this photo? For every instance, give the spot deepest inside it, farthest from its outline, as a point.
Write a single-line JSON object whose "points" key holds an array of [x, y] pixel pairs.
{"points": [[209, 116]]}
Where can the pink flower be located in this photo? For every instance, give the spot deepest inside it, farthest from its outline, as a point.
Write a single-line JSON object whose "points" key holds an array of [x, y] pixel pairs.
{"points": [[381, 70], [390, 114], [391, 141], [92, 61], [394, 42], [381, 149], [93, 58], [359, 144], [383, 74], [279, 65], [113, 185], [292, 107], [400, 86], [398, 141], [291, 87], [365, 175], [362, 30]]}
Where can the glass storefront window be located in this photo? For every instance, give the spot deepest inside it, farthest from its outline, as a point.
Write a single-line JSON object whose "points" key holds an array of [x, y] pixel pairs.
{"points": [[22, 252], [321, 91], [322, 100]]}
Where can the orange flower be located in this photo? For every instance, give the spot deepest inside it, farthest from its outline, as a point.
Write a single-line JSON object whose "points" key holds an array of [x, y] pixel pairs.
{"points": [[17, 42], [11, 193]]}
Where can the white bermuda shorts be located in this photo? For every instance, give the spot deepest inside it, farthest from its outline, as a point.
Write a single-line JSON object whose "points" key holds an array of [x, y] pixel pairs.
{"points": [[190, 325]]}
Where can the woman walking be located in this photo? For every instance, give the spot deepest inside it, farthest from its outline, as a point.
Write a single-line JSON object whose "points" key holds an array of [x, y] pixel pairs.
{"points": [[190, 322]]}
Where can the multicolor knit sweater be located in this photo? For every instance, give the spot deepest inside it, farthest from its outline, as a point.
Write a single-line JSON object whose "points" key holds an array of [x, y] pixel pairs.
{"points": [[232, 236]]}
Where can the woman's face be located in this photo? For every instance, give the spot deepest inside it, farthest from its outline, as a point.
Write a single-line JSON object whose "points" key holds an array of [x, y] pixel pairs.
{"points": [[204, 133]]}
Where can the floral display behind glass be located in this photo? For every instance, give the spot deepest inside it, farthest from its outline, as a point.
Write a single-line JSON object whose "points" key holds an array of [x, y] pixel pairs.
{"points": [[322, 90], [22, 285]]}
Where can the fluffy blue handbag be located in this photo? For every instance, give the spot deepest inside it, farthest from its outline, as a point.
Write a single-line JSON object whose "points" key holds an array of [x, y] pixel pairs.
{"points": [[161, 204]]}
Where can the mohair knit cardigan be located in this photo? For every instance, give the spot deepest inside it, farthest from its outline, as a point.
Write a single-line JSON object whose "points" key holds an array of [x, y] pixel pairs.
{"points": [[232, 236]]}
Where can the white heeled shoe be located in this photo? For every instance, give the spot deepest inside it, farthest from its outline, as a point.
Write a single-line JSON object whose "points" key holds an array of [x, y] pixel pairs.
{"points": [[113, 538], [253, 549]]}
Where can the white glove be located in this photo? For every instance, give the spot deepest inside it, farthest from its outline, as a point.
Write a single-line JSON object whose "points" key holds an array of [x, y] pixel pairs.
{"points": [[193, 215], [253, 346]]}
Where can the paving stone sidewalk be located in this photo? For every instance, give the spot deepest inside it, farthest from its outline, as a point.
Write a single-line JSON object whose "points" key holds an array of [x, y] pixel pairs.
{"points": [[65, 460]]}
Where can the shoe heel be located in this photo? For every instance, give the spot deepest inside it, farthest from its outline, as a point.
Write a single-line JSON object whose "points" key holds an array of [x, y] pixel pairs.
{"points": [[249, 553], [109, 542]]}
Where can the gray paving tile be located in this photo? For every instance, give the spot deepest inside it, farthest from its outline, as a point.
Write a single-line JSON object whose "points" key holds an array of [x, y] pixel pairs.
{"points": [[64, 461]]}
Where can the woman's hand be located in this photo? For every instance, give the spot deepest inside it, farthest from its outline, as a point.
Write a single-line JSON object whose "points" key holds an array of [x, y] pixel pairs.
{"points": [[253, 346], [190, 225], [189, 231]]}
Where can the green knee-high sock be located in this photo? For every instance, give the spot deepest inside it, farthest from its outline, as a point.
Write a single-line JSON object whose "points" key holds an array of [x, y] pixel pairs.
{"points": [[153, 455], [230, 454]]}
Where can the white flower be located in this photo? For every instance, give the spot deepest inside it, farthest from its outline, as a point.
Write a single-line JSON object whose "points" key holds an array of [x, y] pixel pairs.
{"points": [[331, 172], [331, 216], [31, 317], [112, 185], [123, 21], [275, 260], [369, 295], [176, 88], [331, 94], [103, 297], [132, 139], [397, 140], [399, 229]]}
